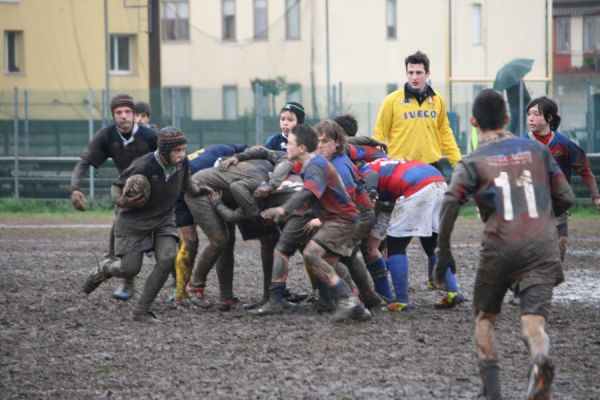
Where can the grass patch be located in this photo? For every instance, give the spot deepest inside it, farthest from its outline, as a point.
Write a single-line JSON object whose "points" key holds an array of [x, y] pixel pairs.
{"points": [[12, 206], [104, 207]]}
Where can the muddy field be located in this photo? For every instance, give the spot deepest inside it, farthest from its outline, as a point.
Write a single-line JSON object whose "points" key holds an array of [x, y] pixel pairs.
{"points": [[57, 343]]}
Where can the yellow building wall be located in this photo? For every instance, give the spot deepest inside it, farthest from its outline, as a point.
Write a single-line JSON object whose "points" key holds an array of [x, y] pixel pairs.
{"points": [[64, 52]]}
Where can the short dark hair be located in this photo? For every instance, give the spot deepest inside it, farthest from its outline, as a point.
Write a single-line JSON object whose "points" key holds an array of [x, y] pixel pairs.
{"points": [[348, 123], [417, 58], [333, 131], [141, 107], [547, 107], [489, 109], [305, 135]]}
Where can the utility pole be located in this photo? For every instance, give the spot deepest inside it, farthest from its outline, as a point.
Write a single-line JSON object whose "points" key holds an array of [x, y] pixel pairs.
{"points": [[154, 59]]}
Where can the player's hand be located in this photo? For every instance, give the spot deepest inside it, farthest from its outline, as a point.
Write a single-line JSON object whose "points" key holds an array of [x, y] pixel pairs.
{"points": [[263, 190], [228, 162], [373, 195], [312, 226], [597, 203], [78, 200], [215, 196], [125, 201], [273, 214], [445, 260]]}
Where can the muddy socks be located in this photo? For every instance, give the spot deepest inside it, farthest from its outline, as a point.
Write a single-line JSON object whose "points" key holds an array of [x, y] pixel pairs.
{"points": [[276, 292], [398, 267], [378, 272], [451, 283], [340, 290], [489, 371], [324, 292]]}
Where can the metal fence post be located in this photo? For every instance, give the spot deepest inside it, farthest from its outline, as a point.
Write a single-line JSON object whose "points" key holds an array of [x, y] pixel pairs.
{"points": [[26, 119], [173, 106], [521, 107], [341, 100], [16, 141], [90, 100], [258, 112]]}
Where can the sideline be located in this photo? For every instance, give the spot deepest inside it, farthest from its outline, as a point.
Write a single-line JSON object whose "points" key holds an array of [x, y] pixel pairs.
{"points": [[54, 226]]}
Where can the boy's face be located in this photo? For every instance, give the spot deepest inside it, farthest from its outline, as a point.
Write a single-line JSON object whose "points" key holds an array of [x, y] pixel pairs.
{"points": [[123, 117], [536, 121], [416, 75], [142, 119], [327, 146], [287, 121], [177, 154], [293, 149]]}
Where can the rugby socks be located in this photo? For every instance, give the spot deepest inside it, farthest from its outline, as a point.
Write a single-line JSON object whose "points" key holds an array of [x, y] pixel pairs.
{"points": [[451, 283], [378, 271], [431, 260], [340, 290], [489, 371], [277, 291], [324, 292], [398, 267]]}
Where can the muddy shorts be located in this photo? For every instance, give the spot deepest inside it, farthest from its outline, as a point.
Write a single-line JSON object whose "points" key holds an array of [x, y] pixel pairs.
{"points": [[382, 221], [337, 238], [293, 236], [418, 214], [533, 288], [141, 238], [205, 216]]}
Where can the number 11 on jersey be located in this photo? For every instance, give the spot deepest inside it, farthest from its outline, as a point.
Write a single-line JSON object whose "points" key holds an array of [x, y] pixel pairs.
{"points": [[523, 181]]}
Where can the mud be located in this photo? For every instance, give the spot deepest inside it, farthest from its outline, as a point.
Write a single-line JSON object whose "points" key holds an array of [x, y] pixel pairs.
{"points": [[57, 343]]}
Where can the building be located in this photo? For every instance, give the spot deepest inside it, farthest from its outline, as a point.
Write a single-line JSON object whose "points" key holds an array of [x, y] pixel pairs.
{"points": [[354, 47], [56, 50]]}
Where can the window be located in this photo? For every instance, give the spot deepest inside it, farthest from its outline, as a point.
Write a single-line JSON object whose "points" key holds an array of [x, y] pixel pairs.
{"points": [[120, 54], [13, 51], [230, 102], [292, 19], [175, 20], [563, 35], [476, 24], [261, 27], [390, 19], [591, 34], [229, 19], [177, 102], [391, 87]]}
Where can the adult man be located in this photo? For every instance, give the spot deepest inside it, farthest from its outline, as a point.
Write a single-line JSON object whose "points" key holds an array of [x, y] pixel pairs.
{"points": [[148, 224], [412, 121], [518, 188], [123, 141]]}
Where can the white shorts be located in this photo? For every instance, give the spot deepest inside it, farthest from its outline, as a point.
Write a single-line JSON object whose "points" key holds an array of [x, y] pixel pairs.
{"points": [[419, 214]]}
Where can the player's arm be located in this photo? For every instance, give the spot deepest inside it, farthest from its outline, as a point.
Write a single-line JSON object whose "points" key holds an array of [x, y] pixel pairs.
{"points": [[296, 200], [580, 163], [77, 197], [560, 190]]}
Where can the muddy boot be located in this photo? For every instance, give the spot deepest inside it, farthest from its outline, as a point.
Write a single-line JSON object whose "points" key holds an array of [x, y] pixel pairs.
{"points": [[99, 275], [274, 307], [540, 378], [147, 317], [125, 292], [562, 246], [347, 304], [489, 371]]}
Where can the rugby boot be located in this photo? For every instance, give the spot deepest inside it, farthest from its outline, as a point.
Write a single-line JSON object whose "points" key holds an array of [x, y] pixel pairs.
{"points": [[540, 378], [255, 305], [227, 304], [125, 292], [294, 297], [450, 300], [489, 371], [396, 306], [99, 275], [350, 308], [197, 297], [274, 307], [146, 317]]}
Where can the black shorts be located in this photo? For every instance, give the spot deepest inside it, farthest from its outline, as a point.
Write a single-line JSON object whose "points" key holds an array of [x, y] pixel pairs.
{"points": [[534, 299]]}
